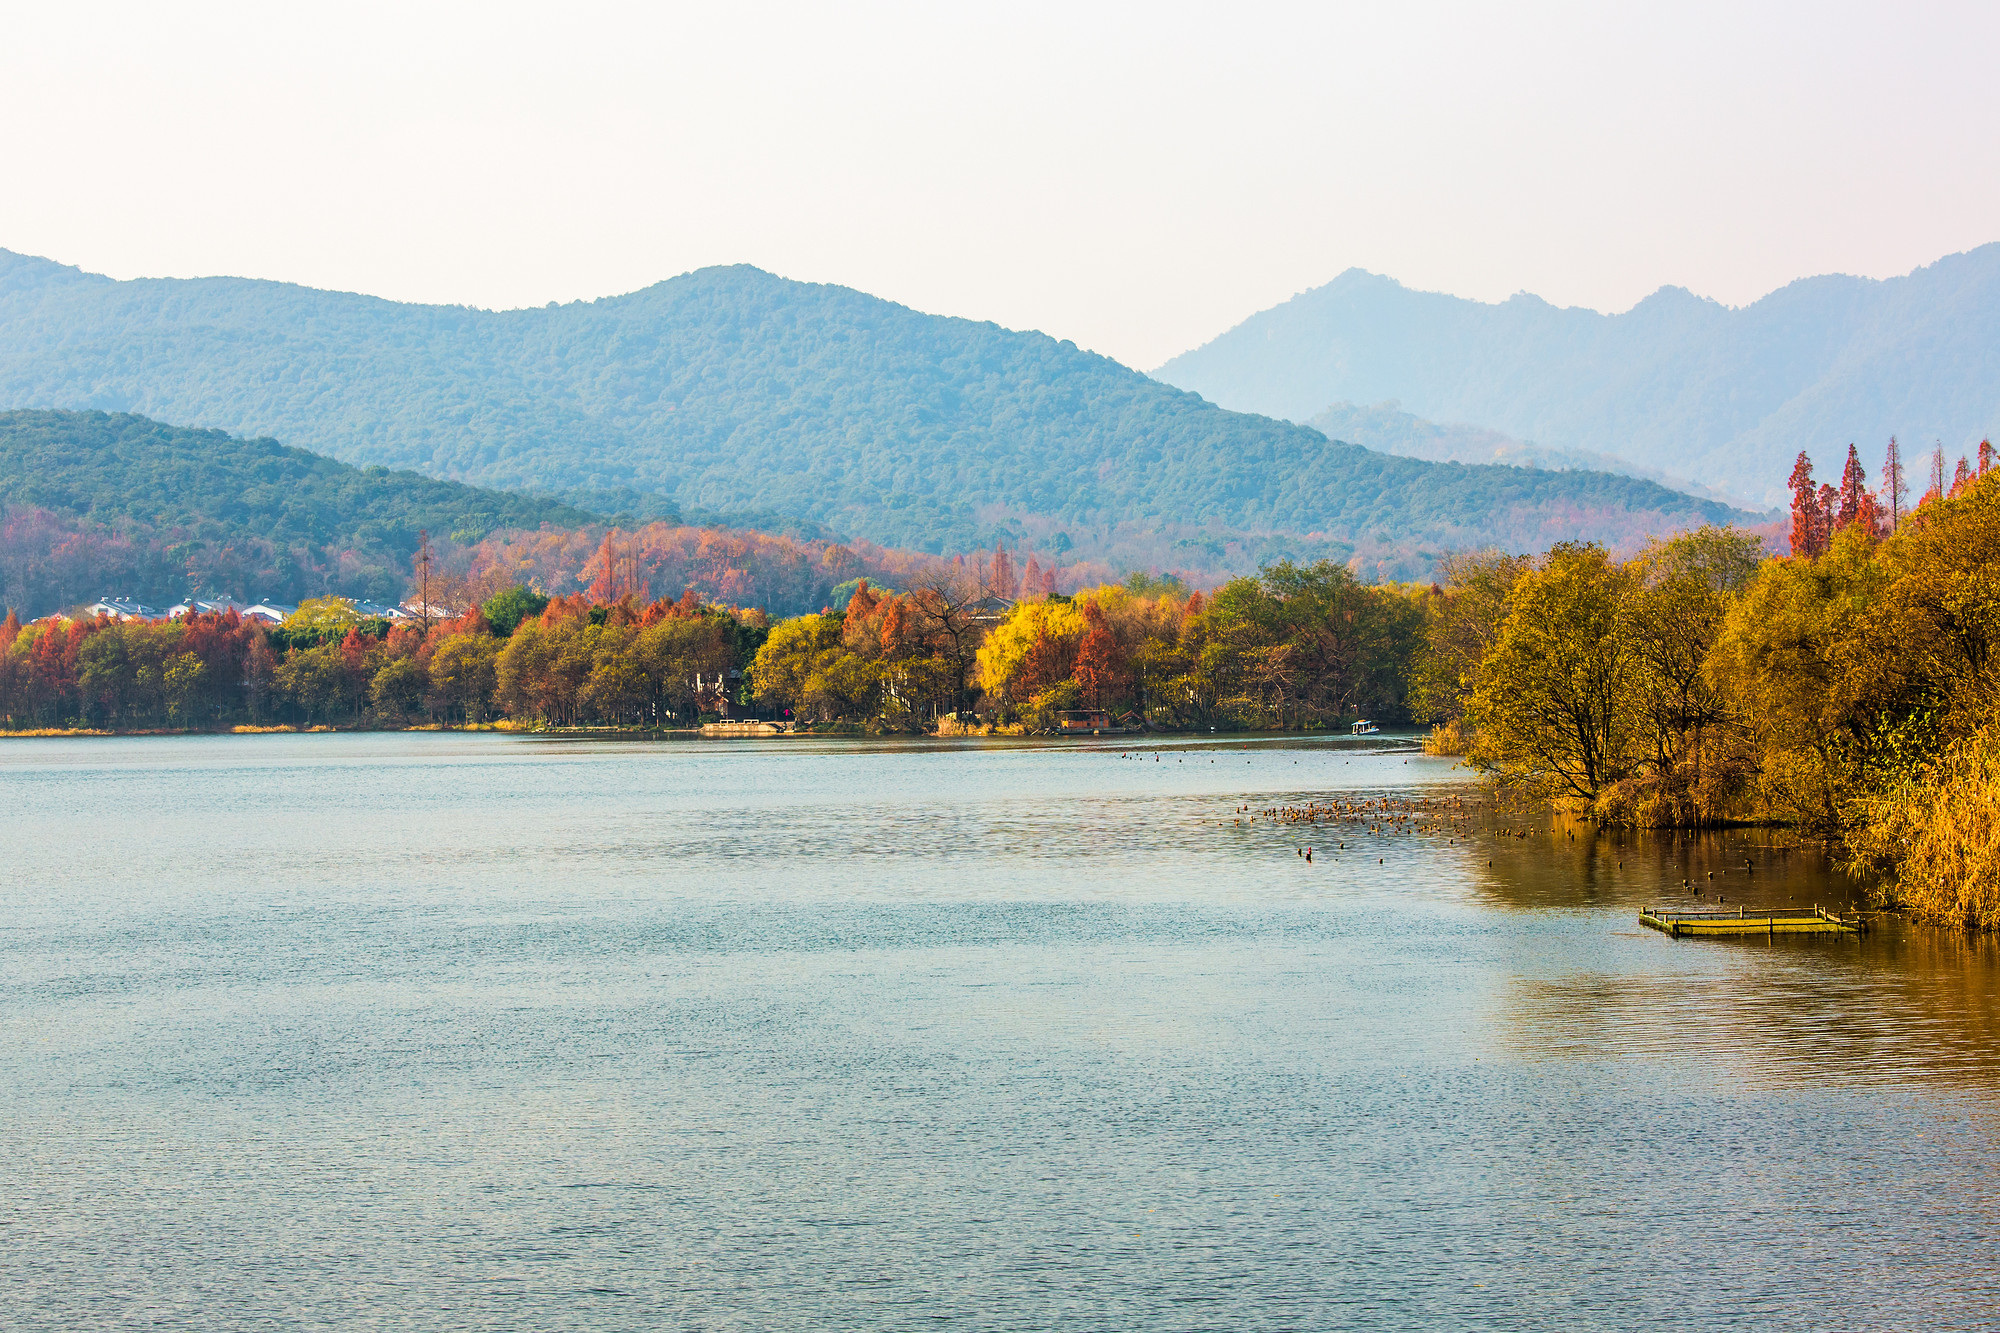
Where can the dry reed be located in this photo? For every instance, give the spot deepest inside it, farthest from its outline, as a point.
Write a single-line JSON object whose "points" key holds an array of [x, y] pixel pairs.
{"points": [[1937, 835]]}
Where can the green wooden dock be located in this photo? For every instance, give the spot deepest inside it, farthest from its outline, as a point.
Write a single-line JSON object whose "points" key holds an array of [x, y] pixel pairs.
{"points": [[1788, 921]]}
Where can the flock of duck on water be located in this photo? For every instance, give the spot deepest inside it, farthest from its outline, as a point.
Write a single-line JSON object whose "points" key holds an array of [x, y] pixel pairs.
{"points": [[1374, 816], [1380, 815]]}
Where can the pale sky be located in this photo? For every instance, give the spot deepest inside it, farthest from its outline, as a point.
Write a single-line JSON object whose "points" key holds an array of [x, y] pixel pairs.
{"points": [[1137, 178]]}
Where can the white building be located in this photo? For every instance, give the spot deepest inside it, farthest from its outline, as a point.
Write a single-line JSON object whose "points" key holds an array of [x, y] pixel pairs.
{"points": [[121, 608], [199, 606], [267, 613], [418, 611]]}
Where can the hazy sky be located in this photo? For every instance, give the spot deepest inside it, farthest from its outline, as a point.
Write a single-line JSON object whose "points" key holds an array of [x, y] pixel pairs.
{"points": [[1137, 178]]}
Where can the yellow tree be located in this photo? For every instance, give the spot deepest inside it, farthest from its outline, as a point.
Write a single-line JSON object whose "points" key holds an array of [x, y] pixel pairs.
{"points": [[1010, 650], [326, 615], [1461, 624], [1791, 661], [463, 674], [1671, 620], [1551, 708]]}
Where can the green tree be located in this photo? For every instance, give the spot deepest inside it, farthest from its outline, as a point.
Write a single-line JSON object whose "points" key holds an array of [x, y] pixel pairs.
{"points": [[505, 611], [181, 686]]}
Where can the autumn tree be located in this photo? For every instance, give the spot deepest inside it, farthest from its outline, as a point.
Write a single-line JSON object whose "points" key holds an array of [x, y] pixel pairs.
{"points": [[1853, 485], [1960, 479], [1001, 579], [1101, 670], [1676, 604], [946, 616], [1806, 521], [1894, 489], [463, 672], [1461, 624], [1789, 661], [1553, 708], [1936, 489], [1028, 651], [311, 680]]}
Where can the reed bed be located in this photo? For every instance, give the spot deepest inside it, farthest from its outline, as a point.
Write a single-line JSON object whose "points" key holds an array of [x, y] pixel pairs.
{"points": [[1937, 835]]}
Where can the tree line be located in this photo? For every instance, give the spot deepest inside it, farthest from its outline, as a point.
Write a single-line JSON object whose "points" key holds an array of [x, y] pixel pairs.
{"points": [[1296, 646]]}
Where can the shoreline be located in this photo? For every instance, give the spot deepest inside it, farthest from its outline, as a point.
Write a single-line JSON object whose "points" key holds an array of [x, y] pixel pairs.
{"points": [[1410, 741]]}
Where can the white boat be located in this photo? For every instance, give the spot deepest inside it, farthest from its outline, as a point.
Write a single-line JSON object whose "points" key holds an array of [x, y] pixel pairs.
{"points": [[1365, 728]]}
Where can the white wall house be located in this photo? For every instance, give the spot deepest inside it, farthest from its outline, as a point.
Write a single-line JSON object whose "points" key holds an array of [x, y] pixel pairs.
{"points": [[121, 608], [267, 613], [202, 607]]}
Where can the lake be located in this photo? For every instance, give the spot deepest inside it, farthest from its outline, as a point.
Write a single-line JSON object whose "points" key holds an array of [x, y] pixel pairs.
{"points": [[479, 1031]]}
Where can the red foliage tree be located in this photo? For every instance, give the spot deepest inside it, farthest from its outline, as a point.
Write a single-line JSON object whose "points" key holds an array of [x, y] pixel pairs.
{"points": [[1100, 660], [1048, 661], [52, 666], [1985, 457], [1805, 508], [1853, 485], [1002, 583], [895, 630], [1031, 578], [1870, 518], [1960, 479], [614, 571], [259, 665]]}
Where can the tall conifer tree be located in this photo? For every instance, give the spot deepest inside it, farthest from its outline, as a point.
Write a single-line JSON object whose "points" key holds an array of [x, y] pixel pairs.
{"points": [[1805, 508], [1893, 487], [1853, 484]]}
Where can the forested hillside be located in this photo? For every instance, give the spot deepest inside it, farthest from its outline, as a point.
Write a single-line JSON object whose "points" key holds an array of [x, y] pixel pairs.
{"points": [[93, 504], [97, 503], [1686, 385], [121, 468], [732, 390]]}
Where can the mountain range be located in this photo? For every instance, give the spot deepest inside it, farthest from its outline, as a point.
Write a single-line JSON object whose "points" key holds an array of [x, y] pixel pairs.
{"points": [[1386, 428], [737, 392], [1726, 397]]}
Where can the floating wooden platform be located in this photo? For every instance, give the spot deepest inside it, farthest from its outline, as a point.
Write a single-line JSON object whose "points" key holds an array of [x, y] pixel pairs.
{"points": [[1789, 921], [742, 729]]}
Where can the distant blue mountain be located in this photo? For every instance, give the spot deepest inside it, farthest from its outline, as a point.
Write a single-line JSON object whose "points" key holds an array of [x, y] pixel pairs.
{"points": [[731, 390], [1678, 383]]}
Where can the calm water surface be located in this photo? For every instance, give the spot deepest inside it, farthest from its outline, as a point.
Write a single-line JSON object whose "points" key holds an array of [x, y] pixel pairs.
{"points": [[429, 1031]]}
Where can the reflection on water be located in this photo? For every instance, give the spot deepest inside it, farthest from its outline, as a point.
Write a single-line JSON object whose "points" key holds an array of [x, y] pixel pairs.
{"points": [[455, 1031]]}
